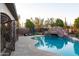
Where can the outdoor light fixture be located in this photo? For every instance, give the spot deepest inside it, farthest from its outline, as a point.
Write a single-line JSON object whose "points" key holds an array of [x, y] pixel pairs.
{"points": [[6, 24]]}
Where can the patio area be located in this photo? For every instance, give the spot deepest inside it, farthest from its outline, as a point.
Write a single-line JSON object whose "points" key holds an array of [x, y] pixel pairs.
{"points": [[25, 47]]}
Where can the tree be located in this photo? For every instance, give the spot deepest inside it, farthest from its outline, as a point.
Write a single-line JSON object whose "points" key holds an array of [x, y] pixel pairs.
{"points": [[46, 23], [38, 23], [52, 23], [29, 24], [65, 25], [59, 22], [49, 22], [76, 23]]}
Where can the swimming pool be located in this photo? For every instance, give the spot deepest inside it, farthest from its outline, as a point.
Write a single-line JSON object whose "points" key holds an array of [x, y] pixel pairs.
{"points": [[59, 45]]}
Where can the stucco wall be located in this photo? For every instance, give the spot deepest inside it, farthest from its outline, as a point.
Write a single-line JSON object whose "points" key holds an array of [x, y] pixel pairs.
{"points": [[0, 34], [4, 9]]}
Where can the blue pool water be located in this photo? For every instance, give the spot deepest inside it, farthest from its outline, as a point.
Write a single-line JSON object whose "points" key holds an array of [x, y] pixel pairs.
{"points": [[59, 45]]}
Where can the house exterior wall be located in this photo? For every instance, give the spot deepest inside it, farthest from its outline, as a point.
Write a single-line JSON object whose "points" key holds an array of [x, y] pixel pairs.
{"points": [[0, 34], [4, 9]]}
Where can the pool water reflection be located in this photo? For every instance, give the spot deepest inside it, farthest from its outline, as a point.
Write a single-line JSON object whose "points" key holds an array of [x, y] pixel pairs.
{"points": [[59, 45]]}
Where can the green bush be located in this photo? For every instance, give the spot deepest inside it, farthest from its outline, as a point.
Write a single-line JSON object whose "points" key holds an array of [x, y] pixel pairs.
{"points": [[36, 33], [77, 35]]}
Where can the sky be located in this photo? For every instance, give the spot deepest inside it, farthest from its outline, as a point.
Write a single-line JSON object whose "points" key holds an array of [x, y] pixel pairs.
{"points": [[70, 11]]}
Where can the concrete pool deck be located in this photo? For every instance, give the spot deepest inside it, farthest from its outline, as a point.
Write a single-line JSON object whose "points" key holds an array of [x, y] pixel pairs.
{"points": [[25, 47], [74, 38]]}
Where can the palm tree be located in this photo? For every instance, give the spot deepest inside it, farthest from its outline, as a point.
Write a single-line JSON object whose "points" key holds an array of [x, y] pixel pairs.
{"points": [[38, 23]]}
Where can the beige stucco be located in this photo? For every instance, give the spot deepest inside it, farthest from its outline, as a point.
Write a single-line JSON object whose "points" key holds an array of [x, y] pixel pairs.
{"points": [[4, 9]]}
